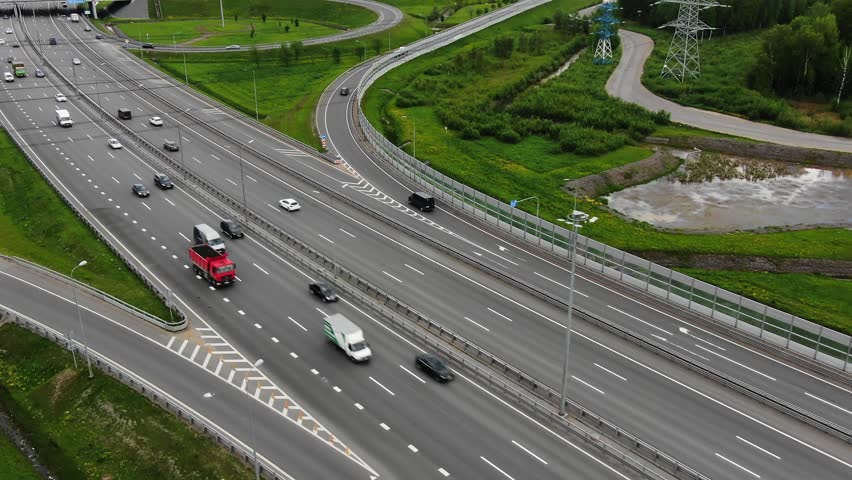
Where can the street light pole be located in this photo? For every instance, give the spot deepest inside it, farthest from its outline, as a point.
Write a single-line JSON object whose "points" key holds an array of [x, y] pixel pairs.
{"points": [[243, 184], [180, 149], [80, 318], [537, 209], [222, 12], [258, 363], [570, 308]]}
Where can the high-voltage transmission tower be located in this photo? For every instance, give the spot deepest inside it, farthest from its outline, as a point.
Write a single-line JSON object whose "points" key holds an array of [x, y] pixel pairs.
{"points": [[606, 20], [682, 59]]}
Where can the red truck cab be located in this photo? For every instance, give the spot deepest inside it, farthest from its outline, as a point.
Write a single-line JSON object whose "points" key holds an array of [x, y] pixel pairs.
{"points": [[212, 265]]}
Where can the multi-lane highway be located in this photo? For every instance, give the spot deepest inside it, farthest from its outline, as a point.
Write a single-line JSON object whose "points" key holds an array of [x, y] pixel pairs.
{"points": [[670, 407]]}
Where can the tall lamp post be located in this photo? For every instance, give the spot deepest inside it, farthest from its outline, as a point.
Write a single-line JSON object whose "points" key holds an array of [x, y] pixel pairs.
{"points": [[243, 184], [570, 305], [256, 364], [254, 81], [80, 318]]}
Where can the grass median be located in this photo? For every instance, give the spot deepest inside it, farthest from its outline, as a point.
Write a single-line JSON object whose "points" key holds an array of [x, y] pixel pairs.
{"points": [[98, 428], [37, 225]]}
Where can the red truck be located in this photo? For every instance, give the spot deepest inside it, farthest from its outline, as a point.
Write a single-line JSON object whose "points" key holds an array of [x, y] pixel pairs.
{"points": [[215, 266]]}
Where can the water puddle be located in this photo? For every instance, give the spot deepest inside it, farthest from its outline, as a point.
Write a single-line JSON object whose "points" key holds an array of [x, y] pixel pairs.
{"points": [[717, 193]]}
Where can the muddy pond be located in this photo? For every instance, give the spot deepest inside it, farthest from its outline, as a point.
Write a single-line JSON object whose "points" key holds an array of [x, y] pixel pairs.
{"points": [[717, 193]]}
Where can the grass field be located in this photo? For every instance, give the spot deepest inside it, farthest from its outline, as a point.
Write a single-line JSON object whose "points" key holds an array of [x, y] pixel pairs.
{"points": [[208, 32], [13, 464], [98, 428], [199, 20], [830, 306], [723, 85], [37, 225]]}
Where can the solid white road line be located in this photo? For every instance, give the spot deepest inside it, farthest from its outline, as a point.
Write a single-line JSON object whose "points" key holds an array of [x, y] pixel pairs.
{"points": [[194, 353], [171, 341], [738, 466], [495, 467], [182, 346], [759, 448], [359, 406], [170, 202], [384, 387], [297, 323], [444, 472], [413, 448], [610, 372], [262, 270], [412, 374], [116, 180], [232, 182], [639, 319], [184, 237], [528, 451], [828, 403], [384, 426], [145, 205], [735, 362], [478, 325], [347, 233], [495, 312]]}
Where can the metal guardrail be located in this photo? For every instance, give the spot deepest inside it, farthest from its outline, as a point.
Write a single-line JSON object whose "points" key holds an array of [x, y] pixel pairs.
{"points": [[166, 298], [729, 310], [116, 302], [154, 394]]}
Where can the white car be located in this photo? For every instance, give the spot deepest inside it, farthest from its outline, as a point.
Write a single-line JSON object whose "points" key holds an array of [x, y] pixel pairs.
{"points": [[9, 31], [232, 47], [289, 204], [8, 77], [114, 143], [2, 41], [76, 61], [156, 121], [60, 97]]}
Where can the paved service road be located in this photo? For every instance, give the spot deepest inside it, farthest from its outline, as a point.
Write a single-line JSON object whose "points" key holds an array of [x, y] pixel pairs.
{"points": [[626, 83]]}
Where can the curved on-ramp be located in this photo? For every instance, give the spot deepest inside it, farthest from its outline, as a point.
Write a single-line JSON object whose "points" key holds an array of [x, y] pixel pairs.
{"points": [[626, 84]]}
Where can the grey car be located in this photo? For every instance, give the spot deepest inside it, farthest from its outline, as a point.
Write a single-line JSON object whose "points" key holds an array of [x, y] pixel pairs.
{"points": [[171, 146]]}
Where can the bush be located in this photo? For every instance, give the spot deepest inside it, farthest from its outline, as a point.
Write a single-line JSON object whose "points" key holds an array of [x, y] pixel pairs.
{"points": [[470, 133], [508, 136]]}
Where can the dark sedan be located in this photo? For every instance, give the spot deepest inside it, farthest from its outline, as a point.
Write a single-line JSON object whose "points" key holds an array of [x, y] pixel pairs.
{"points": [[140, 191], [163, 181], [323, 291], [232, 229], [434, 367]]}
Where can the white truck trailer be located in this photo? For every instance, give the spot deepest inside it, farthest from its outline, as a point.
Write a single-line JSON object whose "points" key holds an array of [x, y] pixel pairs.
{"points": [[347, 336], [63, 118]]}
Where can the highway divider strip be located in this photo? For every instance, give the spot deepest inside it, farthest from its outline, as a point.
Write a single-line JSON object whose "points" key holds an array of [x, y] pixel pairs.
{"points": [[153, 393], [116, 302]]}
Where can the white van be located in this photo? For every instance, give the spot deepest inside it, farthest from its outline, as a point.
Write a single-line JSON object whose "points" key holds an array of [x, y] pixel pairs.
{"points": [[202, 234], [8, 77]]}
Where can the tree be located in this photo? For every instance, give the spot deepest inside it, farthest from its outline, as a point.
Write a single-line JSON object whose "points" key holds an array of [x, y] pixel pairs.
{"points": [[236, 17], [503, 46], [842, 10], [286, 28], [335, 54], [377, 45], [251, 34], [360, 51], [263, 17], [296, 22], [558, 20], [844, 66]]}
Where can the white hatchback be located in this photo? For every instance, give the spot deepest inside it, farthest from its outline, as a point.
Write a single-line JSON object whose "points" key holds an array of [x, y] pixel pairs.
{"points": [[156, 121], [289, 204], [76, 61], [60, 97], [114, 143]]}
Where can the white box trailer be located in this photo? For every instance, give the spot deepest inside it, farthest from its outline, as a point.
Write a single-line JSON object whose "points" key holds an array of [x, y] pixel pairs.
{"points": [[75, 17], [348, 336]]}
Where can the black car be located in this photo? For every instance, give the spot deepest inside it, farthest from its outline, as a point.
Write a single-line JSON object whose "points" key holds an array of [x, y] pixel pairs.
{"points": [[232, 229], [10, 59], [171, 146], [16, 45], [147, 45], [163, 181], [434, 366], [344, 91], [99, 36], [323, 291], [140, 191]]}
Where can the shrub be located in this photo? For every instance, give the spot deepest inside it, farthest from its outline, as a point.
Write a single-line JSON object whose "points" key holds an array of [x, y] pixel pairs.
{"points": [[508, 136], [470, 133]]}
